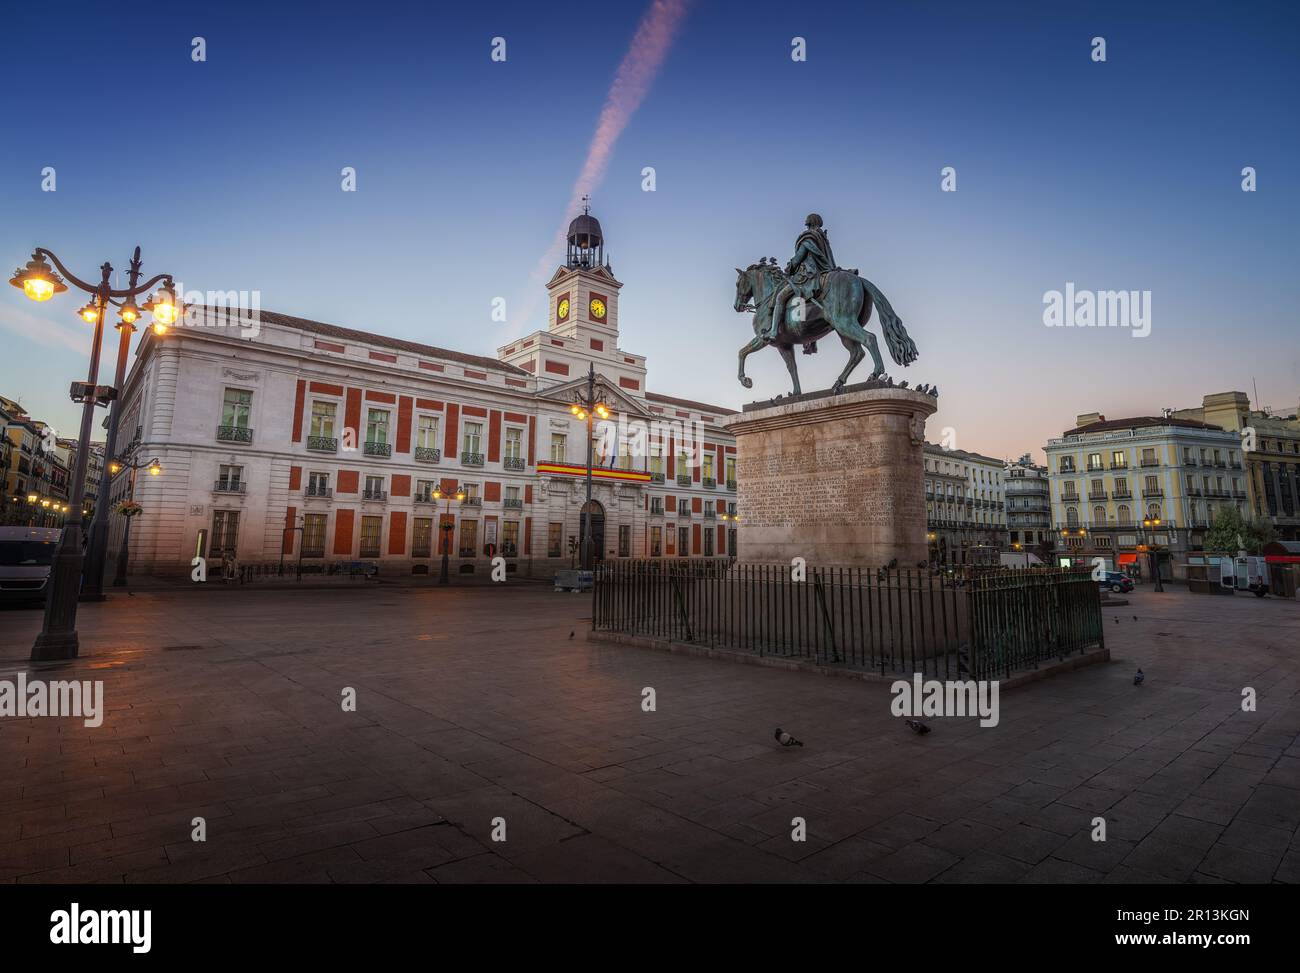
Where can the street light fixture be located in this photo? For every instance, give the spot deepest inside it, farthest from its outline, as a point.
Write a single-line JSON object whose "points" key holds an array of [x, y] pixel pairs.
{"points": [[585, 405], [445, 526], [39, 281], [1149, 526], [155, 468]]}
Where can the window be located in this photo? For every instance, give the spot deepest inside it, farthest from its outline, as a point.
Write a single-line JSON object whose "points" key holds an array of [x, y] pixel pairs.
{"points": [[708, 542], [656, 463], [313, 535], [473, 437], [510, 538], [1094, 461], [1099, 516], [559, 447], [1148, 457], [1071, 517], [468, 537], [377, 427], [731, 542], [1067, 464], [318, 484], [683, 541], [1123, 514], [236, 407], [421, 536], [1153, 511], [370, 527], [656, 542], [374, 488], [322, 419], [471, 493], [225, 532], [512, 497], [229, 477], [426, 435], [554, 539], [514, 443], [708, 466], [624, 540], [1152, 484]]}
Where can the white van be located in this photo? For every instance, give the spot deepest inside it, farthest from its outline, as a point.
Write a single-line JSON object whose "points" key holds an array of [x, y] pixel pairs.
{"points": [[26, 554]]}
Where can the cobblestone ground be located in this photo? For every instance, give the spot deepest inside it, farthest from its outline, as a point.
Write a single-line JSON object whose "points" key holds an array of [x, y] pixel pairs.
{"points": [[476, 704]]}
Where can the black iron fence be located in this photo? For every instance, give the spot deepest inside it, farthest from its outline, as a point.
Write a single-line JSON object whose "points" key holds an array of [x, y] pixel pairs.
{"points": [[982, 624]]}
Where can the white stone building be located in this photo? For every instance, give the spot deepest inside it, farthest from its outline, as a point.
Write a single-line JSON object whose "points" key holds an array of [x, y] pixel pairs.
{"points": [[286, 437]]}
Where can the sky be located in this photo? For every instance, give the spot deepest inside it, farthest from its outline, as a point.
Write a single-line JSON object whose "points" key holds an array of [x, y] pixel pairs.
{"points": [[1122, 174]]}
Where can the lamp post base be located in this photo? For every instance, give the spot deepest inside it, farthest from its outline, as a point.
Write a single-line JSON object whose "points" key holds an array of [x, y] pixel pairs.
{"points": [[53, 648]]}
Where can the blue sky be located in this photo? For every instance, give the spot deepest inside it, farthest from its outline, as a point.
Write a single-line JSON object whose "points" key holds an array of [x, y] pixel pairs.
{"points": [[1115, 175]]}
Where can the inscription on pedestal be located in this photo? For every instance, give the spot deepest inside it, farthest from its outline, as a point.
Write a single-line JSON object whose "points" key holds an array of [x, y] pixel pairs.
{"points": [[835, 481]]}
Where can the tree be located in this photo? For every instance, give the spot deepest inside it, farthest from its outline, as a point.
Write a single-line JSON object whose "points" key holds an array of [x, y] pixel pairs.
{"points": [[1231, 533]]}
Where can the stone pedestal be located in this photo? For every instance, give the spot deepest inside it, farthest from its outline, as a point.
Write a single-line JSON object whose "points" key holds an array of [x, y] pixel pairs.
{"points": [[836, 480]]}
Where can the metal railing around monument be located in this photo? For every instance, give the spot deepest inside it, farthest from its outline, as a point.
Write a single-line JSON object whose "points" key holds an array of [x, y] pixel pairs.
{"points": [[985, 624]]}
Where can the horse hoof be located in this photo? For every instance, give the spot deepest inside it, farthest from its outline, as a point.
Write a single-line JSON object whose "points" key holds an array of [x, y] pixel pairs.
{"points": [[747, 382], [837, 388]]}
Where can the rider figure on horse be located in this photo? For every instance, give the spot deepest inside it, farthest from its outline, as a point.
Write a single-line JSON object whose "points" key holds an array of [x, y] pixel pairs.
{"points": [[812, 258]]}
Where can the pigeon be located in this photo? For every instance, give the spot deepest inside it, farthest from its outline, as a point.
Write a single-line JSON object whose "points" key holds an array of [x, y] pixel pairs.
{"points": [[785, 739], [902, 384], [917, 727], [571, 633], [934, 390], [893, 563], [1138, 677], [1135, 618]]}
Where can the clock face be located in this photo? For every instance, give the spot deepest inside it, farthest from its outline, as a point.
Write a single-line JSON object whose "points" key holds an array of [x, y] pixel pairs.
{"points": [[562, 309], [597, 308]]}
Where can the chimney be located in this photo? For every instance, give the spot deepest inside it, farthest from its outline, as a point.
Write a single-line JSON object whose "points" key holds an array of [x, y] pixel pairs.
{"points": [[1088, 418]]}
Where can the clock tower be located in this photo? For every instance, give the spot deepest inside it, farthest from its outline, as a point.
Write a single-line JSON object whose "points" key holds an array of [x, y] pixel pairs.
{"points": [[584, 292]]}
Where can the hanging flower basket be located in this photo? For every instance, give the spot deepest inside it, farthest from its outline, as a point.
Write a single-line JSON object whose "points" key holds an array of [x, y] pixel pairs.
{"points": [[129, 508]]}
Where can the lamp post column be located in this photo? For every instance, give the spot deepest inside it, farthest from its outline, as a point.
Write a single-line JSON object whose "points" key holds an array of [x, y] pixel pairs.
{"points": [[97, 548], [58, 638]]}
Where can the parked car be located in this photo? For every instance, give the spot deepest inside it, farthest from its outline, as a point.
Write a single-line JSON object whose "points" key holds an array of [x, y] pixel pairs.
{"points": [[1116, 582], [26, 554]]}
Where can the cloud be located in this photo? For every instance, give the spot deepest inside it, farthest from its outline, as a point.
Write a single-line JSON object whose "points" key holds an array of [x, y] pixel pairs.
{"points": [[632, 81], [44, 331]]}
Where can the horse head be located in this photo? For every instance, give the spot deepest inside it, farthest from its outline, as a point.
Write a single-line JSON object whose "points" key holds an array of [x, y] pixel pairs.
{"points": [[753, 285], [744, 289]]}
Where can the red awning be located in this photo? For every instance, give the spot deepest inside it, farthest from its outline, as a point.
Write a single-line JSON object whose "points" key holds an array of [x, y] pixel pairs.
{"points": [[1128, 559]]}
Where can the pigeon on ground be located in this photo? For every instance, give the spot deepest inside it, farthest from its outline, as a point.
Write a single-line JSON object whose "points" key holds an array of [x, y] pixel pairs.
{"points": [[1138, 677], [571, 633], [917, 727], [1135, 618], [785, 739]]}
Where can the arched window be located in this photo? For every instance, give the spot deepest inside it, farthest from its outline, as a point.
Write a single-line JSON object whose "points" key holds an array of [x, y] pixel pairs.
{"points": [[1153, 511], [1099, 516], [1123, 514], [1071, 517]]}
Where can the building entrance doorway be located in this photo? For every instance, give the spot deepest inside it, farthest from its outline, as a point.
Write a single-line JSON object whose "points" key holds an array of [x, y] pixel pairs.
{"points": [[592, 531]]}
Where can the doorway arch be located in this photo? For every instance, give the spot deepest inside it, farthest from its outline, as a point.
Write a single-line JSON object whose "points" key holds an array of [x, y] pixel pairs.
{"points": [[592, 524]]}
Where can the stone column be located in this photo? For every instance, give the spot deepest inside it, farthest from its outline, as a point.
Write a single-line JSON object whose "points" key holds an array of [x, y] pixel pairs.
{"points": [[836, 480]]}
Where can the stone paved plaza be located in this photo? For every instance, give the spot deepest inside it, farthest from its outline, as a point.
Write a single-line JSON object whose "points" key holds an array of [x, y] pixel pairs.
{"points": [[477, 703]]}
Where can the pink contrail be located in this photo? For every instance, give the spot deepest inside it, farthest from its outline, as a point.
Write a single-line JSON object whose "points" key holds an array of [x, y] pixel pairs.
{"points": [[637, 71]]}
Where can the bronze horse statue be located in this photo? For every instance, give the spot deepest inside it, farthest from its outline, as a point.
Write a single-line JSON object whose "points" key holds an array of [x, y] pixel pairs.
{"points": [[842, 303]]}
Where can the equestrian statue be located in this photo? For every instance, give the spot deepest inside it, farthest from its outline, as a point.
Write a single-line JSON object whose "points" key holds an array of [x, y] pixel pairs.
{"points": [[812, 297]]}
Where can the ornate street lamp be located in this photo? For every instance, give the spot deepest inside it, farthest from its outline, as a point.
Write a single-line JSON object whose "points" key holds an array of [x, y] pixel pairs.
{"points": [[129, 509], [165, 309], [445, 526], [1147, 532], [58, 638], [586, 407]]}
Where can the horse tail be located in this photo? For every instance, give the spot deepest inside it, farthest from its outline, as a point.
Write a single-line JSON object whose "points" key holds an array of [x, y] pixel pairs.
{"points": [[901, 347]]}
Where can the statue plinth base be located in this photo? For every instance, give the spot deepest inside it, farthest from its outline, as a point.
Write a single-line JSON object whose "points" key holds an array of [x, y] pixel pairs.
{"points": [[836, 480]]}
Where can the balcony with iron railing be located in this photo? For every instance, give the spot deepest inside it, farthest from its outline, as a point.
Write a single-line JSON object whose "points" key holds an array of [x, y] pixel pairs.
{"points": [[322, 444], [423, 496], [683, 511], [1096, 494], [314, 490], [656, 507], [378, 449], [1121, 493], [374, 495], [234, 434], [512, 503], [467, 552], [709, 483], [471, 459], [731, 485], [228, 486], [472, 502], [1149, 492], [656, 477], [427, 454], [710, 513], [514, 464], [1148, 462], [683, 479]]}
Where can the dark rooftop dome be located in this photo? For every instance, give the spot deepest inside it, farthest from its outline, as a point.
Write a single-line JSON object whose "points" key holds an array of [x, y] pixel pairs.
{"points": [[584, 232]]}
